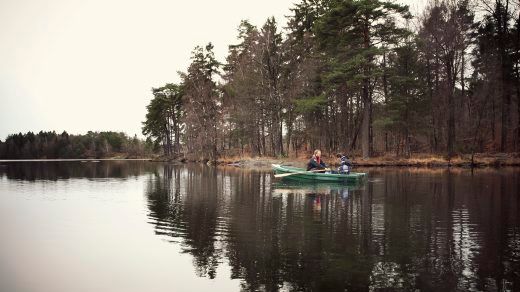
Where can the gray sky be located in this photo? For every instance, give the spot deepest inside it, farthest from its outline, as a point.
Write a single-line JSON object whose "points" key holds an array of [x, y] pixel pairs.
{"points": [[80, 65]]}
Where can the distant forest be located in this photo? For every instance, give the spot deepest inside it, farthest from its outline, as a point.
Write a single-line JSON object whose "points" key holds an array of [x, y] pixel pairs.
{"points": [[357, 76], [49, 145]]}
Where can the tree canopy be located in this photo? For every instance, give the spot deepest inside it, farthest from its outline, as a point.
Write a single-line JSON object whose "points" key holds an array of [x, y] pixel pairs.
{"points": [[358, 76]]}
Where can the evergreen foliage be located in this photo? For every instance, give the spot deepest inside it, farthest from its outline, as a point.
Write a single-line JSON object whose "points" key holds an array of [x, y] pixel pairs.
{"points": [[360, 76], [50, 145]]}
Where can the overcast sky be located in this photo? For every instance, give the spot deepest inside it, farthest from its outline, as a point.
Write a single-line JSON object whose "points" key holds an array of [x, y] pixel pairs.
{"points": [[80, 65]]}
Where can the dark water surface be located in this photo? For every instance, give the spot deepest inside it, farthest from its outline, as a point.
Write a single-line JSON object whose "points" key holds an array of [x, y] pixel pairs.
{"points": [[140, 226]]}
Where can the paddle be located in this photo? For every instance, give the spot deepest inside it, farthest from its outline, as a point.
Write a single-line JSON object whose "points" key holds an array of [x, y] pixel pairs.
{"points": [[300, 172]]}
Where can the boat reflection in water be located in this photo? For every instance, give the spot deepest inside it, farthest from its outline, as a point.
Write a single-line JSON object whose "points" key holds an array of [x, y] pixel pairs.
{"points": [[318, 193], [288, 187]]}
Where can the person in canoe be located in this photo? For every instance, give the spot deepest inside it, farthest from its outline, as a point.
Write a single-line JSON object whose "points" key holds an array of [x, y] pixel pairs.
{"points": [[344, 164], [316, 163]]}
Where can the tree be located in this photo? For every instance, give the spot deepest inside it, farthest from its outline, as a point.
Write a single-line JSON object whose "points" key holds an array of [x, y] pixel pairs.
{"points": [[255, 90], [164, 118], [202, 102], [242, 91], [301, 80], [270, 41], [355, 34], [498, 31], [406, 104], [444, 39], [51, 145]]}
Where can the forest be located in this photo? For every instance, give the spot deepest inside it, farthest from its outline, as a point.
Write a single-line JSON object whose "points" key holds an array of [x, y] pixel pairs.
{"points": [[359, 76], [50, 145]]}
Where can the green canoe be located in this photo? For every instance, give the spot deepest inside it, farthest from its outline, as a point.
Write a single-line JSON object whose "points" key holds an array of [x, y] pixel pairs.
{"points": [[303, 175]]}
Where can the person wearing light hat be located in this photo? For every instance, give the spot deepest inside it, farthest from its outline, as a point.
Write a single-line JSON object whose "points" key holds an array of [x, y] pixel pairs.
{"points": [[316, 163]]}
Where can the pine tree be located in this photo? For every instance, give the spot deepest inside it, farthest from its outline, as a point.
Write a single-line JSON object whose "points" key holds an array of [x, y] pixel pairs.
{"points": [[202, 102], [355, 34], [164, 118]]}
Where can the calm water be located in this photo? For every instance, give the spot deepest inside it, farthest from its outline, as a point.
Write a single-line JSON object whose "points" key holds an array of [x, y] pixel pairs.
{"points": [[140, 226]]}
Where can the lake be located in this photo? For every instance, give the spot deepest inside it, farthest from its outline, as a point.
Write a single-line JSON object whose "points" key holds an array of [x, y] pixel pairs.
{"points": [[143, 226]]}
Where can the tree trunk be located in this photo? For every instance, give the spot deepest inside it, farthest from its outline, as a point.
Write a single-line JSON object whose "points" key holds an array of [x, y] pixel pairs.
{"points": [[451, 105], [506, 104], [262, 138], [385, 92], [493, 126], [289, 131], [367, 102], [365, 126], [518, 105], [356, 134], [502, 16], [517, 67], [429, 79], [280, 133]]}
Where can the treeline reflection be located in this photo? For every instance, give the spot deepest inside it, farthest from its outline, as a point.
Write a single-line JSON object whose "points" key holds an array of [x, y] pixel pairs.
{"points": [[55, 170], [441, 230]]}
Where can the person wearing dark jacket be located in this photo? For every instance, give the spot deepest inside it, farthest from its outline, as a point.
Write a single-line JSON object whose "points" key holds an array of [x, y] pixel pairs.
{"points": [[345, 164], [315, 163]]}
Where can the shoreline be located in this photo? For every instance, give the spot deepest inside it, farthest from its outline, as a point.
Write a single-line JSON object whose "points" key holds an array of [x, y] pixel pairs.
{"points": [[420, 161], [75, 159], [480, 160]]}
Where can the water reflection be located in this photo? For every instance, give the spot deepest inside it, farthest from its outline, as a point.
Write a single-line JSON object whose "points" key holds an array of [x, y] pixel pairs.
{"points": [[54, 170], [288, 187], [194, 218], [401, 230], [404, 229]]}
